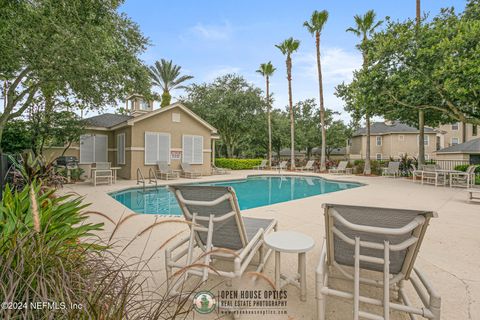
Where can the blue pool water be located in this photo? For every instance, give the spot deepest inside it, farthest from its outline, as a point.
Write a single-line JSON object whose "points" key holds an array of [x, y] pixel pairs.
{"points": [[255, 191]]}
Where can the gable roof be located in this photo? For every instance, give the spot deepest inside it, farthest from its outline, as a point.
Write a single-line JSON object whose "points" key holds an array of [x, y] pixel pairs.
{"points": [[379, 128], [115, 121], [107, 120], [472, 146]]}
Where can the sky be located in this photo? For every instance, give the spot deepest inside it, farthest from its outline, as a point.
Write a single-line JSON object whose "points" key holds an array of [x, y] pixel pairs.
{"points": [[213, 37]]}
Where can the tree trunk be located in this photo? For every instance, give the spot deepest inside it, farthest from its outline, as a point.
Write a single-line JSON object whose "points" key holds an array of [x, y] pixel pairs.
{"points": [[166, 98], [322, 107], [421, 137], [269, 124], [292, 120], [421, 112], [367, 170]]}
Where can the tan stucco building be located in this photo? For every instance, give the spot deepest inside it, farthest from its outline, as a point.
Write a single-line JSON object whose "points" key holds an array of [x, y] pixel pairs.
{"points": [[173, 133], [456, 133], [390, 139]]}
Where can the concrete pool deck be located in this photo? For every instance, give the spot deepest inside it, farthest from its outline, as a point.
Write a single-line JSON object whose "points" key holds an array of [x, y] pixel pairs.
{"points": [[450, 254]]}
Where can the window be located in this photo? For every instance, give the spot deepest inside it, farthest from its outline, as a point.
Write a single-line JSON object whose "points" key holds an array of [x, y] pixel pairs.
{"points": [[426, 140], [157, 147], [401, 137], [121, 148], [454, 141], [379, 156], [193, 149], [144, 105], [93, 148], [175, 117], [379, 140], [474, 130], [455, 126]]}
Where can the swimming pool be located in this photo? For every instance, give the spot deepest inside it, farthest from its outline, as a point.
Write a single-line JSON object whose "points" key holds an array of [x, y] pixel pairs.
{"points": [[255, 191]]}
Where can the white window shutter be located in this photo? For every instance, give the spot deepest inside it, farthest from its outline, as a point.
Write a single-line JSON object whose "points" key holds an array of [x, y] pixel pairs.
{"points": [[86, 148], [187, 149], [164, 148], [151, 148], [198, 149], [101, 145], [121, 148]]}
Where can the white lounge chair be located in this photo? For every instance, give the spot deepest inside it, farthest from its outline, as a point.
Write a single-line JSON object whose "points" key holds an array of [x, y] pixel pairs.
{"points": [[165, 172], [261, 166], [393, 169], [188, 171], [383, 241], [217, 229], [281, 166], [431, 176], [308, 167], [102, 173], [463, 179], [341, 168], [216, 170]]}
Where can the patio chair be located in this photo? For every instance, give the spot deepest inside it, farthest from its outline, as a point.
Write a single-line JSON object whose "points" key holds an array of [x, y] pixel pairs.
{"points": [[415, 172], [262, 165], [165, 172], [217, 170], [341, 168], [102, 173], [217, 230], [431, 176], [308, 167], [188, 171], [463, 179], [384, 242], [281, 166], [393, 169]]}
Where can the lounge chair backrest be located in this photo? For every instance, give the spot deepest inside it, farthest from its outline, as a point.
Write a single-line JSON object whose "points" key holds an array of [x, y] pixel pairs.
{"points": [[404, 229], [283, 164], [221, 202], [263, 164], [102, 165], [413, 167], [309, 164], [471, 169], [163, 167], [429, 167], [186, 167], [393, 166], [342, 165]]}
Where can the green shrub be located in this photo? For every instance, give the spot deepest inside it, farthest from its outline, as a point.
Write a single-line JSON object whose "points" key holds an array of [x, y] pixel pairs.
{"points": [[75, 174], [237, 164], [375, 166]]}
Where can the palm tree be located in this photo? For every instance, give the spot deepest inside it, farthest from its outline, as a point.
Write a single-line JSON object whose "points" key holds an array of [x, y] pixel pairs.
{"points": [[315, 27], [365, 26], [166, 75], [421, 112], [267, 70], [287, 47]]}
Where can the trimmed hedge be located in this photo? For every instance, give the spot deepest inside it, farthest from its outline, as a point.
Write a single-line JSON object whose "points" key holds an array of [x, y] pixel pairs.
{"points": [[237, 164]]}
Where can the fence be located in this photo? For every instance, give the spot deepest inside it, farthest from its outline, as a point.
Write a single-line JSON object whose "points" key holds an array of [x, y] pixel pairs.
{"points": [[450, 164]]}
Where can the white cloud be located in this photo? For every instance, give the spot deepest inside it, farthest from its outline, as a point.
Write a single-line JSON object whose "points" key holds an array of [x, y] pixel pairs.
{"points": [[212, 32], [218, 71], [337, 64]]}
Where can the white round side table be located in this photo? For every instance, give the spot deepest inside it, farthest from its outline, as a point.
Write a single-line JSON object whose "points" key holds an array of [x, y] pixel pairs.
{"points": [[291, 242]]}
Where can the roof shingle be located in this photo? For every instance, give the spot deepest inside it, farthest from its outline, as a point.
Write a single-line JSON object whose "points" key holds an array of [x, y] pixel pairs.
{"points": [[472, 146], [395, 127], [107, 120]]}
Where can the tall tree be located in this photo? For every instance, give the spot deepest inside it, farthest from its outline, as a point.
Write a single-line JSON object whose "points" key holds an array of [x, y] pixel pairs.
{"points": [[230, 104], [364, 27], [315, 27], [166, 75], [84, 52], [267, 70], [288, 47]]}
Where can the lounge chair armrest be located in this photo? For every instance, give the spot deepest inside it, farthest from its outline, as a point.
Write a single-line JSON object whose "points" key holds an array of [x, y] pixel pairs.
{"points": [[258, 236]]}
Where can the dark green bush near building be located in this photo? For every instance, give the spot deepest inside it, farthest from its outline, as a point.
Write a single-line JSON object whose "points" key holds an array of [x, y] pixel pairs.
{"points": [[237, 164], [375, 165]]}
